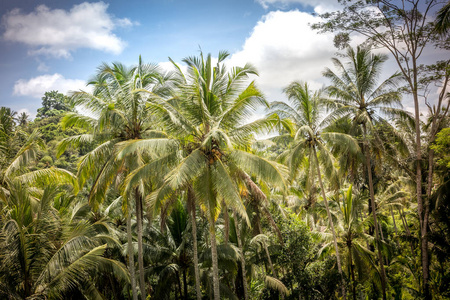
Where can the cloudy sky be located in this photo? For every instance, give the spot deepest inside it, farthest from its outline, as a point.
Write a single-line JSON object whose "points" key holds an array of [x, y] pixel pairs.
{"points": [[57, 45]]}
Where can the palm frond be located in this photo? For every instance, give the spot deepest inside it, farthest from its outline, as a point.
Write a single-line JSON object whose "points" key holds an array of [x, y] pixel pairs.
{"points": [[276, 284], [262, 168]]}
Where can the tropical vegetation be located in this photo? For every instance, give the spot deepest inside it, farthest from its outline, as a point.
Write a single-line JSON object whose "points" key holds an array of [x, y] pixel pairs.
{"points": [[153, 184]]}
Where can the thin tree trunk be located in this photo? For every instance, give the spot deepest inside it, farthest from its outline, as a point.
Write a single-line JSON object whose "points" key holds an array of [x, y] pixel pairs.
{"points": [[226, 218], [131, 256], [191, 206], [179, 285], [257, 222], [424, 231], [420, 203], [372, 202], [436, 122], [215, 263], [381, 231], [185, 285], [242, 258], [405, 225], [272, 269], [273, 224], [352, 271], [338, 258], [139, 214]]}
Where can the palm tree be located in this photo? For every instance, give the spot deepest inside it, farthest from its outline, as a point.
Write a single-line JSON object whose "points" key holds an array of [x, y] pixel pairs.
{"points": [[7, 132], [207, 118], [359, 98], [310, 138], [257, 206], [23, 119], [169, 247], [353, 237], [46, 254], [119, 114]]}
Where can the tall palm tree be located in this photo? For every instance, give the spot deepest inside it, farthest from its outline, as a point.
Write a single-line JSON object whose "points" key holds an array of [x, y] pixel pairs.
{"points": [[119, 114], [353, 238], [207, 118], [310, 137], [358, 97]]}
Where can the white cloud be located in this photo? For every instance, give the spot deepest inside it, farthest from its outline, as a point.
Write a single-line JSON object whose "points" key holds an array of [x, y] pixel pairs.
{"points": [[284, 48], [31, 115], [167, 66], [37, 86], [125, 22], [42, 67], [320, 6], [58, 32]]}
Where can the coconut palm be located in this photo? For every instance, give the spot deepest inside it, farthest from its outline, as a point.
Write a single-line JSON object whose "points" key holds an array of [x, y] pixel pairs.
{"points": [[353, 238], [168, 248], [46, 254], [117, 114], [207, 117], [258, 200], [358, 97], [310, 137], [7, 133], [23, 119]]}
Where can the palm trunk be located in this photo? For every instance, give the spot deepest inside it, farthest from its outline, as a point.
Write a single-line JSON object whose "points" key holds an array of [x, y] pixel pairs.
{"points": [[139, 215], [191, 206], [272, 269], [424, 231], [374, 213], [215, 263], [185, 287], [338, 258], [242, 258], [381, 232], [226, 218], [352, 271], [421, 206], [274, 225], [131, 256], [179, 285], [405, 225], [437, 119]]}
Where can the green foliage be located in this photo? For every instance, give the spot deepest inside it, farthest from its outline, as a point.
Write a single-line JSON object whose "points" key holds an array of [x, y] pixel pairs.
{"points": [[53, 104], [441, 146], [323, 278], [295, 255], [81, 197]]}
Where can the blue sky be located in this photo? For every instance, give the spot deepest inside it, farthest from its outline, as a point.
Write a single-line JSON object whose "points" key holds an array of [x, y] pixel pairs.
{"points": [[57, 45]]}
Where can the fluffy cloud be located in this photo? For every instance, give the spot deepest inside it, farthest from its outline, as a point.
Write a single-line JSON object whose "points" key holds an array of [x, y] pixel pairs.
{"points": [[37, 86], [283, 48], [167, 66], [58, 32]]}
